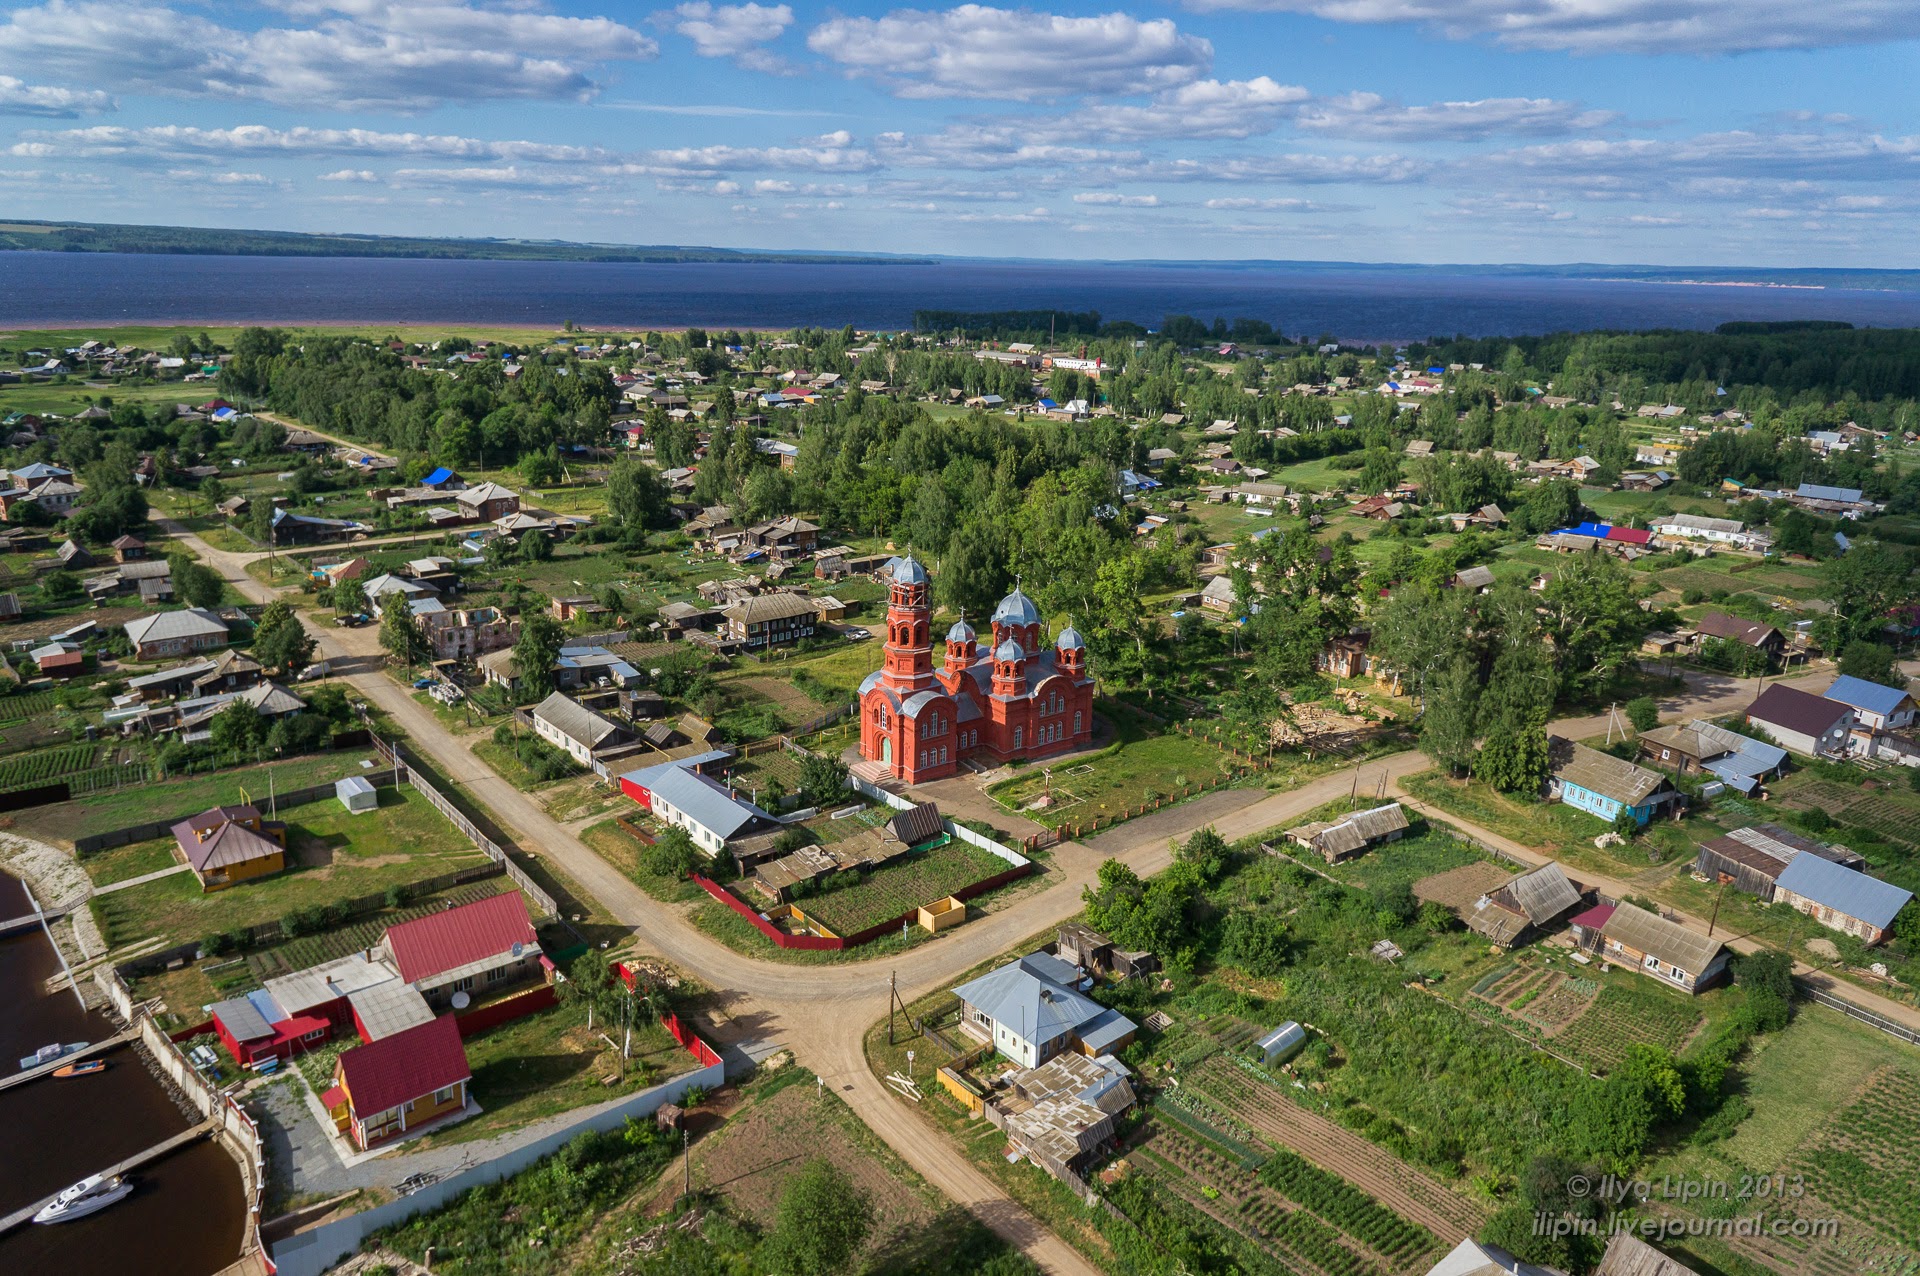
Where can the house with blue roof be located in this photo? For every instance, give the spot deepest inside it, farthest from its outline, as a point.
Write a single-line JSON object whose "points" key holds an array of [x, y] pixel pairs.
{"points": [[1840, 898], [1878, 707], [443, 480], [1030, 1010]]}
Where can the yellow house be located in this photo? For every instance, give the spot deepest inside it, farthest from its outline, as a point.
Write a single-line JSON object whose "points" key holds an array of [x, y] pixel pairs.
{"points": [[230, 844], [399, 1083]]}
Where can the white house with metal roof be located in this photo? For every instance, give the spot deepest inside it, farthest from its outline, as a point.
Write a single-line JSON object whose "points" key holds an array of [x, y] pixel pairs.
{"points": [[1029, 1010], [680, 795]]}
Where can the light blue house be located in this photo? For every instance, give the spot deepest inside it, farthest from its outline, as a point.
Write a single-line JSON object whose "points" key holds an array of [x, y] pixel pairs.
{"points": [[1604, 785]]}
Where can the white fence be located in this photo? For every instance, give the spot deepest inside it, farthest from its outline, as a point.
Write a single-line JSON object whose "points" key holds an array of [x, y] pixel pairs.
{"points": [[311, 1252], [959, 831]]}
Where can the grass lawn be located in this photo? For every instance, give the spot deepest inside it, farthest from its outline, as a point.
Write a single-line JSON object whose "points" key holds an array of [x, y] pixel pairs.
{"points": [[503, 760], [841, 668], [176, 799], [722, 923], [548, 1063], [336, 856], [622, 850], [122, 862], [1146, 760], [899, 888]]}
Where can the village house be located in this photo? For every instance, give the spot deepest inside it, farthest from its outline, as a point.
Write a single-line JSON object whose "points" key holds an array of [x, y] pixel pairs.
{"points": [[1876, 707], [385, 1088], [1811, 725], [1604, 785], [1523, 908], [477, 948], [1060, 1115], [1762, 638], [175, 633], [467, 634], [1342, 839], [1698, 746], [1840, 898], [289, 528], [1030, 1011], [1721, 531], [1628, 1255], [1751, 859], [784, 538], [578, 731], [1471, 1258], [1660, 949], [486, 503], [231, 844], [680, 794], [771, 620], [1218, 595]]}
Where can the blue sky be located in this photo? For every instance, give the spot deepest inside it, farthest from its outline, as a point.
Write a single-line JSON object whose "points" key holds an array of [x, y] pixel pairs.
{"points": [[1725, 132]]}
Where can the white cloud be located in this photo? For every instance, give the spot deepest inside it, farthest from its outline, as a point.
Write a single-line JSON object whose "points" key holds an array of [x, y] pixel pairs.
{"points": [[990, 146], [830, 153], [1624, 26], [508, 175], [350, 175], [17, 97], [359, 54], [1368, 115], [1738, 154], [736, 31], [975, 51], [1204, 108], [1298, 167], [1112, 199], [109, 140], [1246, 203]]}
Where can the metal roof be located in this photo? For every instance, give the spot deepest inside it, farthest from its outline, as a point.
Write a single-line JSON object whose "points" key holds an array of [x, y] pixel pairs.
{"points": [[191, 622], [1671, 942], [1861, 694], [574, 720], [700, 799], [1798, 711], [1844, 890], [1602, 773], [440, 942], [329, 981], [1038, 1007], [242, 1019], [384, 1074], [387, 1008]]}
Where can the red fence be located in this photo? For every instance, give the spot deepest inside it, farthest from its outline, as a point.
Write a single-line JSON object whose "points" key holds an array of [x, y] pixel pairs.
{"points": [[187, 1034], [507, 1009], [810, 942], [688, 1041]]}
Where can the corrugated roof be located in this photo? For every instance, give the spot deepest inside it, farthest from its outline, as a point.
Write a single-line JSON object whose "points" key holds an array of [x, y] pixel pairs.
{"points": [[1028, 1002], [387, 1008], [1602, 773], [1540, 895], [574, 720], [384, 1074], [242, 1019], [706, 802], [1844, 890], [1717, 624], [918, 824], [168, 625], [329, 981], [216, 839], [1671, 942], [439, 942]]}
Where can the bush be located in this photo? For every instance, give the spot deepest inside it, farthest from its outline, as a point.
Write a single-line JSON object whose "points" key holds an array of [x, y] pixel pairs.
{"points": [[304, 921], [397, 895], [216, 945], [1643, 712]]}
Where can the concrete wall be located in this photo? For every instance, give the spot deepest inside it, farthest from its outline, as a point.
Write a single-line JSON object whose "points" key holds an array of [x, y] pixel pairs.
{"points": [[311, 1252]]}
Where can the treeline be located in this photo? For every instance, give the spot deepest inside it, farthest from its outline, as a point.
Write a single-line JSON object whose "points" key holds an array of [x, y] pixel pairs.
{"points": [[1826, 362], [91, 237], [986, 323], [1181, 330]]}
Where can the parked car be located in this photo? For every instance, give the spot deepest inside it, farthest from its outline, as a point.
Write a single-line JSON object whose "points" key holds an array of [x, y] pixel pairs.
{"points": [[859, 635], [317, 670]]}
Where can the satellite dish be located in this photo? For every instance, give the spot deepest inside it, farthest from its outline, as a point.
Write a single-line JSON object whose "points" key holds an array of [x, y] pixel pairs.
{"points": [[517, 946], [461, 1001]]}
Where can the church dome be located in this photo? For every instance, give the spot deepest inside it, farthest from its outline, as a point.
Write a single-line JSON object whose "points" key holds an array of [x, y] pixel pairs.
{"points": [[1070, 640], [1009, 650], [1016, 609], [961, 632], [908, 571]]}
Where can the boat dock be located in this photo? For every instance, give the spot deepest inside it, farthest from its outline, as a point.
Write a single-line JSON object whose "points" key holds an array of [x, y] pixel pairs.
{"points": [[27, 921], [133, 1162], [98, 1047]]}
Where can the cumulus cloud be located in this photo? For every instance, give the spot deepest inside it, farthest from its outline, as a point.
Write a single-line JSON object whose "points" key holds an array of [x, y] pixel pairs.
{"points": [[1624, 26], [1202, 109], [1304, 168], [975, 51], [1736, 154], [1247, 203], [830, 153], [115, 141], [355, 55], [221, 179], [736, 31], [508, 175], [350, 175], [1370, 116], [17, 97]]}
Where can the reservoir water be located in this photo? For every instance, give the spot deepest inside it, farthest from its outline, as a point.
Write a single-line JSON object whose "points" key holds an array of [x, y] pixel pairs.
{"points": [[1363, 304], [187, 1210]]}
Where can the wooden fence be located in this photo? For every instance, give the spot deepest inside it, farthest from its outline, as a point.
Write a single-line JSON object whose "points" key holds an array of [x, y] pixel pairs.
{"points": [[544, 907], [1820, 996]]}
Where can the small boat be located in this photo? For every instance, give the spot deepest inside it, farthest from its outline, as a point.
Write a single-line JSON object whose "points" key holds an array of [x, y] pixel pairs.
{"points": [[84, 1069], [89, 1196], [47, 1054]]}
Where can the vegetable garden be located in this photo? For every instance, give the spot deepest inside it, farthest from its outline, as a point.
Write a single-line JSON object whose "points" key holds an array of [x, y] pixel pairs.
{"points": [[900, 888], [75, 763], [1622, 1018]]}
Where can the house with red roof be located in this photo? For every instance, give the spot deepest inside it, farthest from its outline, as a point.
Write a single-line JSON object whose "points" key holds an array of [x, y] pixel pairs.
{"points": [[476, 948], [399, 1083]]}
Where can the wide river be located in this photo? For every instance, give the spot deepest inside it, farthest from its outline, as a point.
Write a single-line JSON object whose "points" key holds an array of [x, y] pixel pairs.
{"points": [[97, 289], [185, 1215]]}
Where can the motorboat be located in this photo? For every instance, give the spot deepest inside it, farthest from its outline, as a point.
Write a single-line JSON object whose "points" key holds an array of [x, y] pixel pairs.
{"points": [[89, 1196], [47, 1054], [85, 1068]]}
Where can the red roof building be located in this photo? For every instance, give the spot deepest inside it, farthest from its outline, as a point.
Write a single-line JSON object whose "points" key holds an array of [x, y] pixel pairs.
{"points": [[1630, 535], [383, 1089], [478, 945]]}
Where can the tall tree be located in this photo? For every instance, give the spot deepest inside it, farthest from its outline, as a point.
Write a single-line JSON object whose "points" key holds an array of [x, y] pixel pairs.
{"points": [[535, 652]]}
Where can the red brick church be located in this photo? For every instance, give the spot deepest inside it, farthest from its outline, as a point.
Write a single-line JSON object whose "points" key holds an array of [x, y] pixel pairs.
{"points": [[1016, 697]]}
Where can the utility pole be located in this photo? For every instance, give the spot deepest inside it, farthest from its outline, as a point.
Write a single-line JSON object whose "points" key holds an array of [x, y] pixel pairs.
{"points": [[1716, 909], [686, 1162]]}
